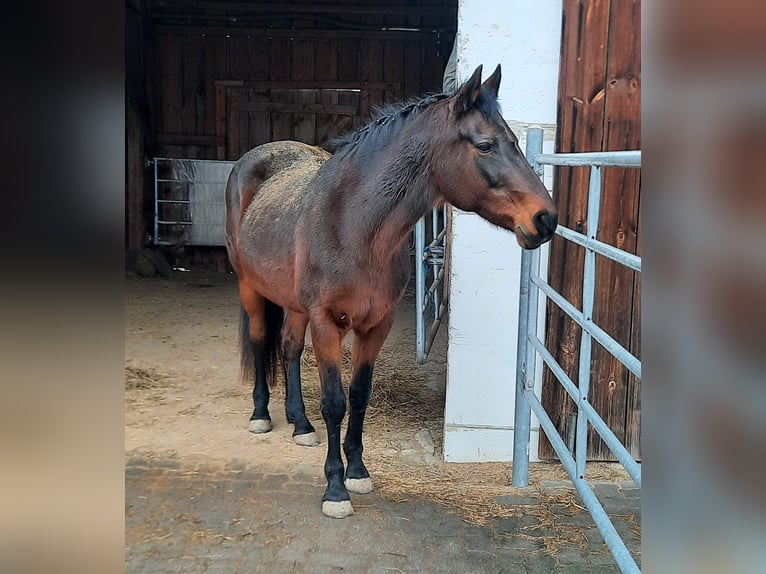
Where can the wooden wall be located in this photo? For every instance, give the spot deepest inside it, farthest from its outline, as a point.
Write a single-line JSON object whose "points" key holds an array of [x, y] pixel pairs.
{"points": [[599, 109], [222, 77]]}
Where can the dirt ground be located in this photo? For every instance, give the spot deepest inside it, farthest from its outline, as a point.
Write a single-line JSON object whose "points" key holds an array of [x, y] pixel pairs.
{"points": [[184, 395], [184, 399]]}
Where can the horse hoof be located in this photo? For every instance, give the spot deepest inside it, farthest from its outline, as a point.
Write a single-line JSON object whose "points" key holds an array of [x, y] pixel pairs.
{"points": [[359, 485], [339, 509], [260, 426], [308, 439]]}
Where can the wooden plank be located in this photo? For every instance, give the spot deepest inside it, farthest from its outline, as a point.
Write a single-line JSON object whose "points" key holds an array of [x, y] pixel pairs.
{"points": [[294, 108], [393, 70], [280, 59], [433, 65], [370, 69], [182, 9], [220, 120], [326, 68], [135, 180], [582, 78], [238, 57], [232, 124], [304, 121], [430, 34], [216, 67], [348, 62], [135, 127], [260, 122], [189, 140], [346, 124], [193, 109], [633, 392], [287, 33], [318, 84], [616, 284], [412, 67], [169, 66], [281, 119], [259, 60]]}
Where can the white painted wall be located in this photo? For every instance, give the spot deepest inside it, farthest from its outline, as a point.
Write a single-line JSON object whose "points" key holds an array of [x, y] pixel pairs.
{"points": [[524, 37]]}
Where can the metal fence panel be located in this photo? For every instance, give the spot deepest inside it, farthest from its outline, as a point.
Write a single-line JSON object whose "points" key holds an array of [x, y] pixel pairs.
{"points": [[530, 345], [189, 205], [430, 269]]}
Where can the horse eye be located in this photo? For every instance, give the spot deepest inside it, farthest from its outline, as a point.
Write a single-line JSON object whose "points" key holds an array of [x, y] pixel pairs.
{"points": [[484, 147]]}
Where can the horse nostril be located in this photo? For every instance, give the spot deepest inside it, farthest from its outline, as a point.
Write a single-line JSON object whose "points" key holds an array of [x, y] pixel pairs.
{"points": [[545, 222]]}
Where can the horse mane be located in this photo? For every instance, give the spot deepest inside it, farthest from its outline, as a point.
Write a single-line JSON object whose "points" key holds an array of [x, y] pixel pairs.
{"points": [[391, 117]]}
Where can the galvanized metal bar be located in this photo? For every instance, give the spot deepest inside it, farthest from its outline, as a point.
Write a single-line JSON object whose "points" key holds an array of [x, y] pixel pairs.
{"points": [[164, 222], [186, 202], [420, 335], [608, 251], [199, 223], [435, 266], [631, 158], [522, 411], [194, 181], [206, 161], [156, 205], [619, 551], [611, 440], [603, 338], [525, 369], [431, 335], [588, 296]]}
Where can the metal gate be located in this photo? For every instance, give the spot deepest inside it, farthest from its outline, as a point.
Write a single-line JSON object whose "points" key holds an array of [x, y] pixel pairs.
{"points": [[189, 204], [430, 269], [533, 286]]}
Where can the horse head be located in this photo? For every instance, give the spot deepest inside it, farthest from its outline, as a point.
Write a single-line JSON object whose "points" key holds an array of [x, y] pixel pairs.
{"points": [[488, 174]]}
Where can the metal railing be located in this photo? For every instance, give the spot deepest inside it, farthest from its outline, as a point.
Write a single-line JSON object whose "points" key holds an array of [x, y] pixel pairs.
{"points": [[530, 344], [189, 205], [430, 299]]}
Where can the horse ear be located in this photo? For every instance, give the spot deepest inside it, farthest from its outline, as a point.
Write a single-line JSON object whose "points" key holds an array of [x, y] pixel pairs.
{"points": [[468, 93], [493, 82]]}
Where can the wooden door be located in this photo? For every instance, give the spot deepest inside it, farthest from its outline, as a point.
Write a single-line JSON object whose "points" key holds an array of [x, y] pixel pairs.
{"points": [[599, 109]]}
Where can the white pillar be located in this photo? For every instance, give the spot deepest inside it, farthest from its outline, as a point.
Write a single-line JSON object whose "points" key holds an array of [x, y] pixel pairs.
{"points": [[524, 37]]}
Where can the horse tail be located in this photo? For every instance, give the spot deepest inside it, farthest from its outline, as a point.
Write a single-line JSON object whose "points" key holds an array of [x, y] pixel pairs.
{"points": [[272, 351]]}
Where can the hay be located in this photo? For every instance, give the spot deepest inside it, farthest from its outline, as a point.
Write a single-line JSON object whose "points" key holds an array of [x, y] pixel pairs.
{"points": [[142, 378], [400, 394]]}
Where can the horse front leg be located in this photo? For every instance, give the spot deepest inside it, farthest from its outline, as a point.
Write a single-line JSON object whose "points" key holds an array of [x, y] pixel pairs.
{"points": [[366, 348], [327, 339], [293, 341]]}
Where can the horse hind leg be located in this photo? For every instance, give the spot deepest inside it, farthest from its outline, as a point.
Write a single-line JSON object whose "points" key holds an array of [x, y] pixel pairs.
{"points": [[293, 341], [366, 348], [259, 331]]}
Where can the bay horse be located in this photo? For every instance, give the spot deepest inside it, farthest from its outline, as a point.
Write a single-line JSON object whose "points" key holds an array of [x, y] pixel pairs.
{"points": [[321, 241]]}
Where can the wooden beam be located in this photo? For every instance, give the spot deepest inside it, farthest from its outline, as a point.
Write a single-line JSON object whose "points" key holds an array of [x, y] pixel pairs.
{"points": [[185, 9], [179, 30], [294, 108], [311, 85], [220, 120], [188, 139]]}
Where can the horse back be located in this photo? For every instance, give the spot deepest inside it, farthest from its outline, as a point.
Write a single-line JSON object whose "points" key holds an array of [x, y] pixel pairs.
{"points": [[262, 167]]}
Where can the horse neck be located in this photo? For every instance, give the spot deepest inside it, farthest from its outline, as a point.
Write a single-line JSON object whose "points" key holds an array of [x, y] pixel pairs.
{"points": [[397, 192]]}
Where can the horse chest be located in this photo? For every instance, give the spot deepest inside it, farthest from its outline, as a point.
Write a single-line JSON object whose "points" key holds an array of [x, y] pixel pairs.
{"points": [[366, 304]]}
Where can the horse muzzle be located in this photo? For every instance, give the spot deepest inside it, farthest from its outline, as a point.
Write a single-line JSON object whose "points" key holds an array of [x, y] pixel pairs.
{"points": [[545, 226]]}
